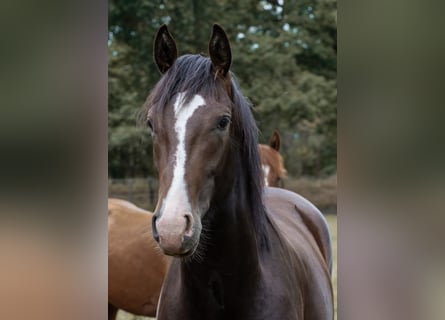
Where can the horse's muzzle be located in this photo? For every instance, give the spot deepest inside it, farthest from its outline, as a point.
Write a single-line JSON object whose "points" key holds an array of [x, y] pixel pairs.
{"points": [[174, 234]]}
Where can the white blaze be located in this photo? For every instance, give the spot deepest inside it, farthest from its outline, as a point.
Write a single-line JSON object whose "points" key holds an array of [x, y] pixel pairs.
{"points": [[266, 170], [177, 196]]}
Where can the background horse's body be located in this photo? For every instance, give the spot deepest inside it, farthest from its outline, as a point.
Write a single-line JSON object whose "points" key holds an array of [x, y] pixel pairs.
{"points": [[136, 267]]}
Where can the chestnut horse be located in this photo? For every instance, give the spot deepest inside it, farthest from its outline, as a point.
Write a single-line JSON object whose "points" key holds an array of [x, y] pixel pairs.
{"points": [[272, 162], [240, 251], [136, 267]]}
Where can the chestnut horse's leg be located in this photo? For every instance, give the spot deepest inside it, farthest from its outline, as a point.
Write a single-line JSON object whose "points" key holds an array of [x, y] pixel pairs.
{"points": [[112, 312]]}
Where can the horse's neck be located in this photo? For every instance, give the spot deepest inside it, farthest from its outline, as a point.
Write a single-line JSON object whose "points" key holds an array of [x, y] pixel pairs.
{"points": [[235, 233], [229, 246], [228, 270]]}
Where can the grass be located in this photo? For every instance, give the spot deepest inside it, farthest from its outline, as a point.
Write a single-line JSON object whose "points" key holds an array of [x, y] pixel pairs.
{"points": [[332, 222], [122, 315]]}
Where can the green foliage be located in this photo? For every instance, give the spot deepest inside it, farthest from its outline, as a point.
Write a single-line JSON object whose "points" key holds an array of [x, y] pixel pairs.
{"points": [[284, 58]]}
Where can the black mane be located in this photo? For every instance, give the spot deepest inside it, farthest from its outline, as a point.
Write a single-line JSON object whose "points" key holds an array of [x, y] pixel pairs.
{"points": [[193, 74], [246, 134]]}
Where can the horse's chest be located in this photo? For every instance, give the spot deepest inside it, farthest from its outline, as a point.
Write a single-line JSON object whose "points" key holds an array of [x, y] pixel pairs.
{"points": [[219, 297], [232, 300], [215, 302]]}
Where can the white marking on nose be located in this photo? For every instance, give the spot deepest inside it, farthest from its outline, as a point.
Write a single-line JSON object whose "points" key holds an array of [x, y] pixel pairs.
{"points": [[177, 197], [266, 170]]}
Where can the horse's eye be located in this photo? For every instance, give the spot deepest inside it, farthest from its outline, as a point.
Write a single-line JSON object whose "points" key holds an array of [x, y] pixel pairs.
{"points": [[223, 122]]}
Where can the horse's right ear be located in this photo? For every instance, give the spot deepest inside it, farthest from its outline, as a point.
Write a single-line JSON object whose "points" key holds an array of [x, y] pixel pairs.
{"points": [[165, 52], [274, 141]]}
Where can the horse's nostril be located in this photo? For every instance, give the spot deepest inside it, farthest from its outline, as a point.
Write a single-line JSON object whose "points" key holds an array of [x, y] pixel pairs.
{"points": [[154, 229], [188, 225]]}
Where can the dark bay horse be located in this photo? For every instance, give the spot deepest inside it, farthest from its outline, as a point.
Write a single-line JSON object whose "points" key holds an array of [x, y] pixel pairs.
{"points": [[136, 267], [272, 162], [241, 251]]}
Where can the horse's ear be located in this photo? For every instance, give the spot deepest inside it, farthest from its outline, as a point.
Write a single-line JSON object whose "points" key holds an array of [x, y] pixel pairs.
{"points": [[165, 51], [219, 50], [274, 141]]}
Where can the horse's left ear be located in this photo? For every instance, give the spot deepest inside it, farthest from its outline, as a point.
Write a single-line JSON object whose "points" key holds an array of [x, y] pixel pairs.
{"points": [[274, 141], [219, 50]]}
